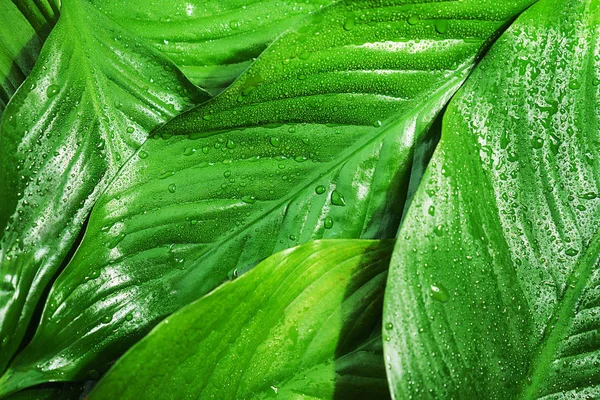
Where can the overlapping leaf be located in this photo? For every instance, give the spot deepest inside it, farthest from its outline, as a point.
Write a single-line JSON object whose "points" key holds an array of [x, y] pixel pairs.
{"points": [[315, 141], [87, 106], [493, 290], [305, 323], [213, 42], [24, 25]]}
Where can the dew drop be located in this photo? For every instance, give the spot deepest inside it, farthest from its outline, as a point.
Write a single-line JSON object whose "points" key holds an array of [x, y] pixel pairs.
{"points": [[320, 189], [537, 142], [249, 199], [172, 188], [328, 222], [52, 90], [439, 293], [413, 20], [441, 26], [349, 23], [143, 155], [275, 142], [571, 252], [337, 199]]}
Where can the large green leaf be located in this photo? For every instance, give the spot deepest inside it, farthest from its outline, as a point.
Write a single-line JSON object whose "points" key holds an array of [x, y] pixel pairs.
{"points": [[213, 42], [493, 290], [357, 86], [24, 25], [86, 107], [304, 324]]}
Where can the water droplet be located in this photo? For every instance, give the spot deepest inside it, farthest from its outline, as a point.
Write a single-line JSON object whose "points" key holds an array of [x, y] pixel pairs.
{"points": [[249, 199], [389, 326], [234, 24], [537, 142], [52, 90], [441, 26], [293, 237], [328, 222], [320, 189], [349, 23], [571, 252], [227, 174], [504, 140], [230, 144], [166, 174], [589, 196], [130, 129], [337, 199], [129, 317], [172, 188], [275, 142], [574, 85], [439, 293], [207, 117], [189, 151], [439, 230], [106, 319], [143, 155], [413, 20], [431, 210], [377, 124]]}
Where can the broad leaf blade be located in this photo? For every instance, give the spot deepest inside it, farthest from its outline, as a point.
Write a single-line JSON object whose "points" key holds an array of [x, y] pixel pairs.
{"points": [[493, 286], [87, 106], [213, 42], [299, 325], [303, 151], [24, 25]]}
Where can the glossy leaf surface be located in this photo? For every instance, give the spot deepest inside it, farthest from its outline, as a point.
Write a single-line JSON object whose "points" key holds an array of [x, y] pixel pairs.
{"points": [[319, 146], [24, 25], [213, 42], [493, 289], [86, 107], [303, 324]]}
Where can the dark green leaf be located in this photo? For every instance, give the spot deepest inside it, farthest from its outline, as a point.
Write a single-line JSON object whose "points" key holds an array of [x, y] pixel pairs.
{"points": [[213, 42], [304, 324], [314, 141], [24, 25], [86, 107], [493, 291]]}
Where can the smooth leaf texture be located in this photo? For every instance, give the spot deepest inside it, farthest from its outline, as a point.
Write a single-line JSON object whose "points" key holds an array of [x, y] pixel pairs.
{"points": [[493, 289], [24, 25], [213, 42], [304, 324], [87, 106], [327, 153]]}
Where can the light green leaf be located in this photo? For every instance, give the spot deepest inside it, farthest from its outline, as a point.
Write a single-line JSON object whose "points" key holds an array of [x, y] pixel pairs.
{"points": [[24, 25], [213, 42], [86, 107], [493, 290], [303, 324], [315, 141]]}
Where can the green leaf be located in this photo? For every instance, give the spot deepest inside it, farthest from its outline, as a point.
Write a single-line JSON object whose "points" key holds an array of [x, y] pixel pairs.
{"points": [[213, 42], [51, 392], [24, 25], [493, 289], [86, 107], [303, 324], [314, 141]]}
